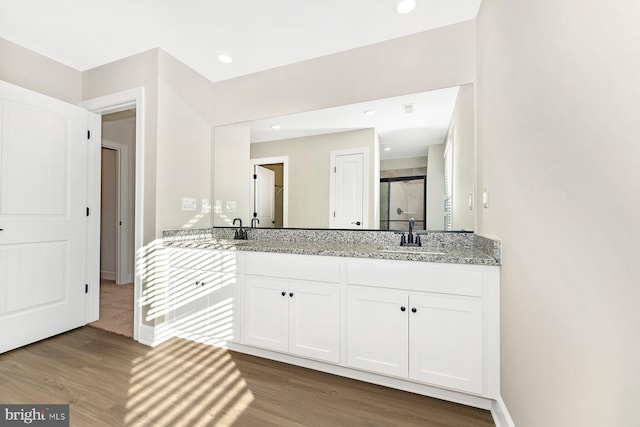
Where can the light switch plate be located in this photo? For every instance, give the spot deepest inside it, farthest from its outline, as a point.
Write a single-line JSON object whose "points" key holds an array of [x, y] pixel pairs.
{"points": [[485, 198], [189, 204]]}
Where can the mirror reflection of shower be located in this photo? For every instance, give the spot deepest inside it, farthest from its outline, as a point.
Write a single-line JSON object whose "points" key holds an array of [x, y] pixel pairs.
{"points": [[402, 198]]}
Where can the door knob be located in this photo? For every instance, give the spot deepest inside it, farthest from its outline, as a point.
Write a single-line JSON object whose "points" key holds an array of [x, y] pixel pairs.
{"points": [[356, 223]]}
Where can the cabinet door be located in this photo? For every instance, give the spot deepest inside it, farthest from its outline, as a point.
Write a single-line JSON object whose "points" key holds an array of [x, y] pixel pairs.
{"points": [[377, 330], [445, 333], [314, 320], [220, 308], [265, 313], [188, 300]]}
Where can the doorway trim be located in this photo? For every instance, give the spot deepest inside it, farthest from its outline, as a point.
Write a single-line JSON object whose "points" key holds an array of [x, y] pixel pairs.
{"points": [[113, 103], [285, 183], [122, 209]]}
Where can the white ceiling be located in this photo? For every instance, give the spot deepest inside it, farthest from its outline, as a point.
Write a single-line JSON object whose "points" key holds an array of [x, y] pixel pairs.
{"points": [[260, 34]]}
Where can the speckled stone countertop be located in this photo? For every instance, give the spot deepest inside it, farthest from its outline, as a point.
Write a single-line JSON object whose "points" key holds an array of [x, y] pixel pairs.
{"points": [[455, 248]]}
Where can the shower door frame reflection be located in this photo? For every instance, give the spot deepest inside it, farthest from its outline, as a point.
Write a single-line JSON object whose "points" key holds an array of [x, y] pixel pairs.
{"points": [[401, 224]]}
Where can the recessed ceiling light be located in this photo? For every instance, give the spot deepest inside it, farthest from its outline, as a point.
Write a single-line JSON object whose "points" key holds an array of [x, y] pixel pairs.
{"points": [[275, 127], [369, 112], [387, 148], [405, 6], [225, 58]]}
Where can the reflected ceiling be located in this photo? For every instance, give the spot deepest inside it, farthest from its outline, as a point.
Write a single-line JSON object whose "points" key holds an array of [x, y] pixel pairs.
{"points": [[404, 124]]}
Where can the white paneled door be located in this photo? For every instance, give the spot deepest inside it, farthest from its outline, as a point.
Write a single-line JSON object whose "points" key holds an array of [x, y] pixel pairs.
{"points": [[264, 205], [347, 191], [43, 216]]}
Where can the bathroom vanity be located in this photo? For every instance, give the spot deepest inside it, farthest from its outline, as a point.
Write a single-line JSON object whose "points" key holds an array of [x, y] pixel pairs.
{"points": [[424, 319]]}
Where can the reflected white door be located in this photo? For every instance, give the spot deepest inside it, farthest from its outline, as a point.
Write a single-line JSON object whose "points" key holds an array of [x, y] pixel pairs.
{"points": [[265, 180], [43, 200], [348, 191]]}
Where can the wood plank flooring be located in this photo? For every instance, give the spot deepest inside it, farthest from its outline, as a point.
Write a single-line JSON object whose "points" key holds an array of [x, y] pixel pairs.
{"points": [[110, 380]]}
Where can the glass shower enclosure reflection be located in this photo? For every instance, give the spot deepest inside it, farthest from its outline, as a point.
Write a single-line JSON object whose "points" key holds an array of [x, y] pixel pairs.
{"points": [[403, 198]]}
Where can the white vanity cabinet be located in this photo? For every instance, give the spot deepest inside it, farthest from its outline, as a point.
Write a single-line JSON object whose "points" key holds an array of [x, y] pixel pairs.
{"points": [[292, 304], [202, 288], [424, 322], [426, 327]]}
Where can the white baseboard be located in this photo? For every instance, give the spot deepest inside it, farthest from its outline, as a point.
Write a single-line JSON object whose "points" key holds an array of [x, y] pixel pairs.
{"points": [[108, 275], [111, 275], [127, 280], [500, 414], [153, 335]]}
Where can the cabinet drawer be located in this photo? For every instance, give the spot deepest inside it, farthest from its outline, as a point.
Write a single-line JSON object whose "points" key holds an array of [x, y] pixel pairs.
{"points": [[446, 279], [293, 267], [203, 259]]}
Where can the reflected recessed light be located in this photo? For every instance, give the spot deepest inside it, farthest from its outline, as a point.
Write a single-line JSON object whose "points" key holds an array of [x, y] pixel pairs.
{"points": [[387, 148], [275, 127], [225, 58], [405, 6], [369, 112]]}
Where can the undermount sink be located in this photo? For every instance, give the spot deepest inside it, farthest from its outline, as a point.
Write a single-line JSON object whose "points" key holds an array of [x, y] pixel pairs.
{"points": [[412, 251]]}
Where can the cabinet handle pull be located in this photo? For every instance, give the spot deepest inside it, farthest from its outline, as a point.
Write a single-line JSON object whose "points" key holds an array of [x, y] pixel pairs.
{"points": [[197, 283], [203, 283], [283, 293], [414, 310], [403, 308], [291, 294]]}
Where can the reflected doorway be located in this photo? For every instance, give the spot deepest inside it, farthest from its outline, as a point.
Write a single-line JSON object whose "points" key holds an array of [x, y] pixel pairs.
{"points": [[269, 193], [401, 199]]}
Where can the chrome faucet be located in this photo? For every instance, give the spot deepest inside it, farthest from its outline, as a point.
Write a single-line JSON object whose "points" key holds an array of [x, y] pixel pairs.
{"points": [[253, 222], [241, 233]]}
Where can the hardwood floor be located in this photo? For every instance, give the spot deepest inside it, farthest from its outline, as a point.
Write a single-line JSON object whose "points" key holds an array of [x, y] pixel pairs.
{"points": [[110, 380]]}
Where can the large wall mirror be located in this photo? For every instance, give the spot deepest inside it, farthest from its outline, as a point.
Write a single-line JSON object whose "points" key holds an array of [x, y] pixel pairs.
{"points": [[370, 165]]}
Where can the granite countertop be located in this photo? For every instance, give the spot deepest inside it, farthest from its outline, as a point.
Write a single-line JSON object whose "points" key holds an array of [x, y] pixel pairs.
{"points": [[426, 253]]}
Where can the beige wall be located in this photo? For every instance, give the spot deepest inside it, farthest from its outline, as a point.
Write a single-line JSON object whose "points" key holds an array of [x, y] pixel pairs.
{"points": [[309, 160], [462, 129], [26, 68], [559, 152], [435, 187], [183, 165], [231, 175], [407, 163], [135, 71], [434, 59]]}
